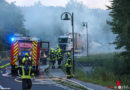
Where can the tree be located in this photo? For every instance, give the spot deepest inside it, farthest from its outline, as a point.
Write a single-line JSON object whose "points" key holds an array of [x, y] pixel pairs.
{"points": [[11, 21], [120, 12]]}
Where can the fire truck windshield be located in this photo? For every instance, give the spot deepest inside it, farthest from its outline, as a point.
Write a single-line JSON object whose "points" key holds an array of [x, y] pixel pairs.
{"points": [[63, 40]]}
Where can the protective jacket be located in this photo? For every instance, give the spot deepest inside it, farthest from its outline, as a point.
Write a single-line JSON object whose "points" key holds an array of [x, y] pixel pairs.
{"points": [[27, 72], [26, 58], [60, 56], [68, 62], [52, 55]]}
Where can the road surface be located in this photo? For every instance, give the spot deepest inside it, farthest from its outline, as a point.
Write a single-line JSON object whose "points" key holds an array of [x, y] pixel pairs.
{"points": [[9, 83]]}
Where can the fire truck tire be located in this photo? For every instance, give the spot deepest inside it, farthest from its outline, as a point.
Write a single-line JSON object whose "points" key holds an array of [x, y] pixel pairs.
{"points": [[14, 71], [37, 70]]}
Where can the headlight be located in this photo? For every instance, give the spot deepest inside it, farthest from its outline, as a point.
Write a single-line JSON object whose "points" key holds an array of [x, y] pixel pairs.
{"points": [[30, 58]]}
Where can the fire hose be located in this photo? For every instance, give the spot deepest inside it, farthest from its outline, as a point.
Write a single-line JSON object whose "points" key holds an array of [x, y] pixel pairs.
{"points": [[4, 65]]}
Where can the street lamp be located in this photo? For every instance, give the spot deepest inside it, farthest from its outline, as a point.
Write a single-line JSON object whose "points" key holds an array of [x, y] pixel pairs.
{"points": [[67, 14], [85, 24]]}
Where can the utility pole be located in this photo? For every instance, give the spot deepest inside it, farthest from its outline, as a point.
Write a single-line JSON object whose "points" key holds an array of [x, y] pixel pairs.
{"points": [[73, 42], [72, 23], [85, 24]]}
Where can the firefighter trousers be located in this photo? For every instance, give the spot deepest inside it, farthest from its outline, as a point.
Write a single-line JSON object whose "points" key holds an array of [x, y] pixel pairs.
{"points": [[53, 64], [59, 63], [68, 72], [26, 84]]}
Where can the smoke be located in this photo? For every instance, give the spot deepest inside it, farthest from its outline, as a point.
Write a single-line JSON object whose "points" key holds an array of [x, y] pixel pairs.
{"points": [[45, 22]]}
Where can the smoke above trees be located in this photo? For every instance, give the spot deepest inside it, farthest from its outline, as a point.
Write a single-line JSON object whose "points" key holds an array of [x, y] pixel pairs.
{"points": [[11, 21], [45, 22]]}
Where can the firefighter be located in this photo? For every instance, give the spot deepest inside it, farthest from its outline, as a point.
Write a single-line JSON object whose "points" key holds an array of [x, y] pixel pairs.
{"points": [[27, 72], [59, 58], [68, 65], [20, 58], [26, 57], [57, 49], [52, 57], [56, 52]]}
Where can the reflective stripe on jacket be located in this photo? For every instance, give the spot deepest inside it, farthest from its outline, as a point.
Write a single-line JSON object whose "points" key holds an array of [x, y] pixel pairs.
{"points": [[60, 56], [68, 62], [25, 58], [26, 72], [52, 56], [68, 65]]}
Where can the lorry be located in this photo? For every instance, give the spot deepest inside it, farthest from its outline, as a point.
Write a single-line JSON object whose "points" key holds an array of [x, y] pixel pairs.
{"points": [[65, 42], [31, 45]]}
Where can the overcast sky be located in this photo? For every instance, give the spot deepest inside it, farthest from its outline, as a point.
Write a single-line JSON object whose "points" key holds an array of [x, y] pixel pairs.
{"points": [[90, 3]]}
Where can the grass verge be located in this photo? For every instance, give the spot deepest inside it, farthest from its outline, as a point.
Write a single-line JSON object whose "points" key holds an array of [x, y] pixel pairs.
{"points": [[107, 69]]}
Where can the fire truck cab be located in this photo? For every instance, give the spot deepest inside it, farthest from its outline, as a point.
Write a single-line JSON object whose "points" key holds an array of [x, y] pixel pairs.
{"points": [[20, 46]]}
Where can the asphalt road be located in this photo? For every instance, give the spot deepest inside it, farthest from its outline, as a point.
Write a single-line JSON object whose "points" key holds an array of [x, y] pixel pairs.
{"points": [[9, 82]]}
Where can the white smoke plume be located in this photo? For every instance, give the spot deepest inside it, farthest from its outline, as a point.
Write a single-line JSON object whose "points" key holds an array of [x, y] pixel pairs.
{"points": [[45, 22]]}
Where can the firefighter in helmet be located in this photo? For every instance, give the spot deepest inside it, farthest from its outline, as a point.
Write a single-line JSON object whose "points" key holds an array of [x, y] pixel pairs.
{"points": [[59, 57], [52, 57], [26, 57], [58, 49], [68, 65], [56, 52], [27, 72]]}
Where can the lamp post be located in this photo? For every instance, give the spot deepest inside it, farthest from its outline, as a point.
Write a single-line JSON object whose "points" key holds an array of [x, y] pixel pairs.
{"points": [[67, 14], [85, 24]]}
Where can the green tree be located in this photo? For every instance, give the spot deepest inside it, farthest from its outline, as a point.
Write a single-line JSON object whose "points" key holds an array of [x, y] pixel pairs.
{"points": [[120, 12], [11, 21]]}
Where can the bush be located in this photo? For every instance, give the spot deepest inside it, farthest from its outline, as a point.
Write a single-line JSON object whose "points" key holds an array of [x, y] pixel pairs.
{"points": [[108, 68]]}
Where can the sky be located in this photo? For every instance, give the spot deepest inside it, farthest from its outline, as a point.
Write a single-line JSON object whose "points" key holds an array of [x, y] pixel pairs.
{"points": [[89, 3]]}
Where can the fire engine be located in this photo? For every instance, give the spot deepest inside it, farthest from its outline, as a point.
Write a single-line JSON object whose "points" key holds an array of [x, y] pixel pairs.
{"points": [[31, 45]]}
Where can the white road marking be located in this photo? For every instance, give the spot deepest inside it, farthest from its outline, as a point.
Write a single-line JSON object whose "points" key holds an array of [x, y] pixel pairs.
{"points": [[1, 87], [47, 81]]}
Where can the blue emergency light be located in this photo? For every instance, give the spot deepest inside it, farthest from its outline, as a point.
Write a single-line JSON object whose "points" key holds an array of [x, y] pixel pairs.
{"points": [[12, 39]]}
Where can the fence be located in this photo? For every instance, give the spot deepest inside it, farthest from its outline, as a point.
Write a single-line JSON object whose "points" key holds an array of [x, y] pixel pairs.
{"points": [[5, 54]]}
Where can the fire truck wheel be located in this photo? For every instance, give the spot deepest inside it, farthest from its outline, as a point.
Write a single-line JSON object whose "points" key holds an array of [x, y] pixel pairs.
{"points": [[14, 71]]}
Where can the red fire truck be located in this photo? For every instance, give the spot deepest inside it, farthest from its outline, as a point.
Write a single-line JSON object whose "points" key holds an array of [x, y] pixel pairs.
{"points": [[31, 45]]}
